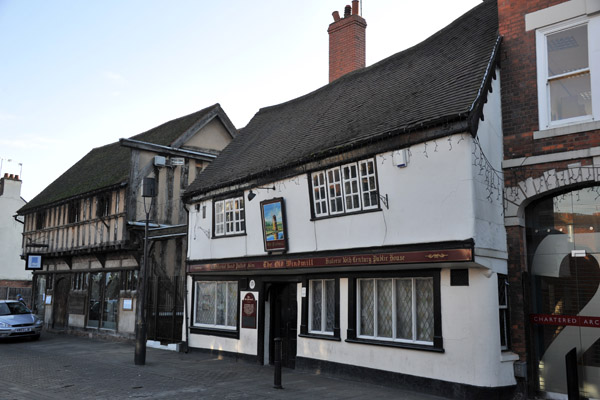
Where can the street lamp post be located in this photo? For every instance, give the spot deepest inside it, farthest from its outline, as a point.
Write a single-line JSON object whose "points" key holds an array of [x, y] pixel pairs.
{"points": [[148, 191]]}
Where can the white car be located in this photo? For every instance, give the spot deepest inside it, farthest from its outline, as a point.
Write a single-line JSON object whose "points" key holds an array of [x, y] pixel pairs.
{"points": [[16, 320]]}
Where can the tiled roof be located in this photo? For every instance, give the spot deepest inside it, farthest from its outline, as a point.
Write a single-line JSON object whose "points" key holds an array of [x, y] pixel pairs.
{"points": [[108, 165], [435, 81]]}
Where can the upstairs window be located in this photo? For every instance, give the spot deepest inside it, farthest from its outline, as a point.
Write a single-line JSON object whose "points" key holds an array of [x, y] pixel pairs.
{"points": [[566, 88], [229, 217], [103, 205], [74, 212], [345, 189], [40, 219]]}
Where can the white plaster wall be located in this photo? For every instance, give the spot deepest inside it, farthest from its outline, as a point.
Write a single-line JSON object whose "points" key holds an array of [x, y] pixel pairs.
{"points": [[430, 200], [490, 233], [11, 265], [470, 330]]}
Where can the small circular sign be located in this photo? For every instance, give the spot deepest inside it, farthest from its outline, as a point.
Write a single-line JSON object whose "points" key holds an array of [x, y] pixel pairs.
{"points": [[252, 284]]}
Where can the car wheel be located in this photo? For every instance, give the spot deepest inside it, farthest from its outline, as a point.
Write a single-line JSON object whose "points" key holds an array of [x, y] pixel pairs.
{"points": [[35, 337]]}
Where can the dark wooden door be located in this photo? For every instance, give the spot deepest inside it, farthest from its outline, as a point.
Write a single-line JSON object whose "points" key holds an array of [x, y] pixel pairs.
{"points": [[285, 321], [61, 297]]}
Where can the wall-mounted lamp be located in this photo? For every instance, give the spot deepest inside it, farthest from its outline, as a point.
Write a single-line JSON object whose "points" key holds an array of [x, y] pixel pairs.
{"points": [[252, 195]]}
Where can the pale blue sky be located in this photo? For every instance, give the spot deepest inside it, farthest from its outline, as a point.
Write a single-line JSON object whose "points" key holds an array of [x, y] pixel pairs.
{"points": [[75, 74]]}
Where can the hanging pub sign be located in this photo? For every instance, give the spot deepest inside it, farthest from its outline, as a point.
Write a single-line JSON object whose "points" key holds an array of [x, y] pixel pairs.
{"points": [[249, 311], [273, 224], [34, 262]]}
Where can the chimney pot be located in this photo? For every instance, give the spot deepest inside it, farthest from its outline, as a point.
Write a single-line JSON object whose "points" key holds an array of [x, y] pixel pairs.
{"points": [[346, 42], [336, 16]]}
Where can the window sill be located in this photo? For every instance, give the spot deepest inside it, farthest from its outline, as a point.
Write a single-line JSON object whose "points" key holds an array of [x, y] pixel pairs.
{"points": [[346, 214], [233, 334], [323, 337], [399, 345], [566, 130], [508, 356], [229, 236]]}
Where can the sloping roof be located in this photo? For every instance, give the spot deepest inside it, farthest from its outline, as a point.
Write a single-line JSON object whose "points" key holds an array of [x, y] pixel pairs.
{"points": [[107, 166], [436, 81]]}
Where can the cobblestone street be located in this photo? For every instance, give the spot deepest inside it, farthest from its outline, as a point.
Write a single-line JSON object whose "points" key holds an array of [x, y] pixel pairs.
{"points": [[70, 367]]}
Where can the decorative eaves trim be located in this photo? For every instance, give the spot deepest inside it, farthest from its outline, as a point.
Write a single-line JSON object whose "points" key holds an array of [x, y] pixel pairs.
{"points": [[136, 144]]}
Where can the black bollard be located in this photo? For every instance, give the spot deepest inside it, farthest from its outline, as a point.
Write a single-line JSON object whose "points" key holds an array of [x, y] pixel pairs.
{"points": [[277, 362]]}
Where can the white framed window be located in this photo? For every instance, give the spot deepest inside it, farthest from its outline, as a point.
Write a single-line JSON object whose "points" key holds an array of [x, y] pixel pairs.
{"points": [[396, 309], [345, 189], [368, 181], [229, 216], [321, 306], [216, 304], [334, 184], [351, 187], [319, 193], [567, 68]]}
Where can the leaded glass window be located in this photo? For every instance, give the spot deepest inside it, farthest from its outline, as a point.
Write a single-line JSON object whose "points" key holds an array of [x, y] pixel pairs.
{"points": [[322, 306], [398, 309], [216, 304]]}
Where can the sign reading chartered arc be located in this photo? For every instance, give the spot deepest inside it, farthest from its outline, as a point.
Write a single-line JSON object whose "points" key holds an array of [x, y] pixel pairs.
{"points": [[408, 257], [565, 320]]}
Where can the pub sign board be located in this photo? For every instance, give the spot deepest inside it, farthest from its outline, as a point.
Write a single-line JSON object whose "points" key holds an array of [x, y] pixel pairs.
{"points": [[249, 311], [274, 225], [34, 262]]}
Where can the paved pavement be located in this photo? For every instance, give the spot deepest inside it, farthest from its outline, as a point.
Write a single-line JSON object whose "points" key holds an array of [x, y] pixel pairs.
{"points": [[70, 367]]}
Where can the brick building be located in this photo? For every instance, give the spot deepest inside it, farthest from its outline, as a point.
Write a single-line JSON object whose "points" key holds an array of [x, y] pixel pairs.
{"points": [[550, 60]]}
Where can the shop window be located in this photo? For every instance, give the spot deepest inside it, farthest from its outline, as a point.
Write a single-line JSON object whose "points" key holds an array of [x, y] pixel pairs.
{"points": [[401, 311], [345, 189], [79, 281], [216, 304], [565, 84], [129, 280], [229, 217], [321, 306], [503, 311]]}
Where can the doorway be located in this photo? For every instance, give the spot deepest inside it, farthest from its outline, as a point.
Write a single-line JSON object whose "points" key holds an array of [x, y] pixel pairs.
{"points": [[563, 238], [61, 296], [284, 322]]}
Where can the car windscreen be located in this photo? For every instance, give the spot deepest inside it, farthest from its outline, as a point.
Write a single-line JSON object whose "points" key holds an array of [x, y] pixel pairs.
{"points": [[13, 308]]}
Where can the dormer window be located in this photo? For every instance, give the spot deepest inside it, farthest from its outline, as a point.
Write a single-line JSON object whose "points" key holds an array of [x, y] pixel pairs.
{"points": [[229, 217], [345, 189]]}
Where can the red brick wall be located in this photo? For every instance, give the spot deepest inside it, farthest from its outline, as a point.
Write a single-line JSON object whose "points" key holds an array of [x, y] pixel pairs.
{"points": [[347, 52], [519, 86], [520, 120]]}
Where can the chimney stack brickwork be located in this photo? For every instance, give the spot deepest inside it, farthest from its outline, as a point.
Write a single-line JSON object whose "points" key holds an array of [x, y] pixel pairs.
{"points": [[347, 37]]}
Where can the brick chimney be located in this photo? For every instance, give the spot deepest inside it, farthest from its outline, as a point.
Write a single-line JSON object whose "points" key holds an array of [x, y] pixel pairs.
{"points": [[346, 42]]}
